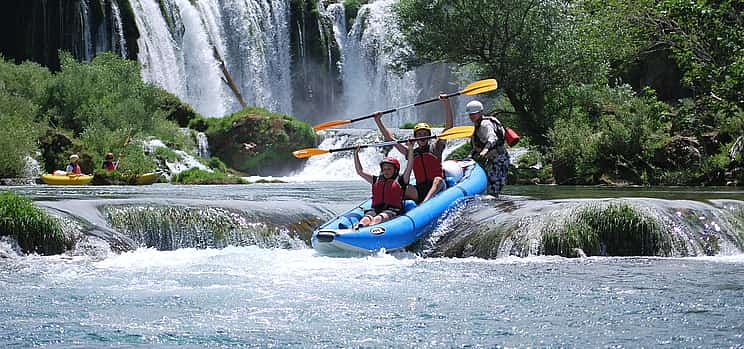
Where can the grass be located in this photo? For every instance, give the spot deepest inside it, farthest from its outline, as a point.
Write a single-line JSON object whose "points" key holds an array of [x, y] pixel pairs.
{"points": [[197, 176], [34, 229], [614, 229]]}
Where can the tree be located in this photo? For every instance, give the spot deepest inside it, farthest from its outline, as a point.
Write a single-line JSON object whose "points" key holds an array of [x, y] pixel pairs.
{"points": [[533, 48]]}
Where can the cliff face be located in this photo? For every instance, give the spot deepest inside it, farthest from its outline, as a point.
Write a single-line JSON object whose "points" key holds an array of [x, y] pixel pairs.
{"points": [[37, 29]]}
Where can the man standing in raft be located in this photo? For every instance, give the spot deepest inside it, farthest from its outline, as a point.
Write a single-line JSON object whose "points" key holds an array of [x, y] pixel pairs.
{"points": [[427, 161], [387, 188], [488, 141]]}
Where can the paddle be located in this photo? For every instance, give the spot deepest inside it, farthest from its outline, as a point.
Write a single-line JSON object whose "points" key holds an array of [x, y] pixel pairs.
{"points": [[126, 142], [455, 132], [472, 89]]}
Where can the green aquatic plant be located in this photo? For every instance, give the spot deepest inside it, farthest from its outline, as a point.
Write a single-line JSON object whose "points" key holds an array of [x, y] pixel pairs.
{"points": [[614, 229], [197, 176], [34, 229]]}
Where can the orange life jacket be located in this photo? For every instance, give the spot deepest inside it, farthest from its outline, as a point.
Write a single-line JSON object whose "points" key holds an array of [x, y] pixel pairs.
{"points": [[387, 193], [426, 165]]}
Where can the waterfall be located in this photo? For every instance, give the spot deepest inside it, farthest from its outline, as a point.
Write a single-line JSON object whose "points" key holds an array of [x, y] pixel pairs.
{"points": [[202, 144], [370, 46], [339, 166], [85, 29], [118, 40], [184, 52], [107, 36], [176, 54]]}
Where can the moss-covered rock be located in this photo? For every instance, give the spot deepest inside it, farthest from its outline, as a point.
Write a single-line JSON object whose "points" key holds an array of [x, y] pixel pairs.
{"points": [[607, 229], [34, 229], [197, 176], [259, 142]]}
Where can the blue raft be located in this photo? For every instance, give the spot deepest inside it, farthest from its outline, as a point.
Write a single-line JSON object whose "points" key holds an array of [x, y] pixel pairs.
{"points": [[336, 237]]}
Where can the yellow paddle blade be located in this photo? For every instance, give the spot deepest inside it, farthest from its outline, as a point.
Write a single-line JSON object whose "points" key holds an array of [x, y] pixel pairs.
{"points": [[330, 124], [308, 152], [457, 132], [480, 87]]}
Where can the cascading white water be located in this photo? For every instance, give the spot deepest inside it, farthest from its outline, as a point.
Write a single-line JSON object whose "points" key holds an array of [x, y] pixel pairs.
{"points": [[251, 37], [339, 166], [118, 40], [202, 144], [85, 29], [367, 50], [108, 36], [180, 61]]}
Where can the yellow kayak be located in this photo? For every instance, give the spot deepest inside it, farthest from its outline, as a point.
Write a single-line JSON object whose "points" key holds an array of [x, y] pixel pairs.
{"points": [[148, 178], [53, 179]]}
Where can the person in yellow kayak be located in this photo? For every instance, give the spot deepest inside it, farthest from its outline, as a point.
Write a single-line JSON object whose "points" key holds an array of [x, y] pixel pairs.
{"points": [[108, 162], [73, 168], [388, 188], [427, 160]]}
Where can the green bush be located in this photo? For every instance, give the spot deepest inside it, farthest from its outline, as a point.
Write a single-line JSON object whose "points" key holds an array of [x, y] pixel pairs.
{"points": [[22, 88], [127, 151], [610, 132], [166, 154], [197, 176], [35, 230], [18, 134], [108, 92]]}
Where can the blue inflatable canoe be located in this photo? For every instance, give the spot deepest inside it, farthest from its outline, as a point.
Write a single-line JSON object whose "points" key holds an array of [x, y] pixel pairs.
{"points": [[337, 237]]}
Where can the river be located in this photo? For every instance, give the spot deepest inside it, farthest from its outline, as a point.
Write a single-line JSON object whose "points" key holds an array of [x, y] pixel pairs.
{"points": [[278, 293]]}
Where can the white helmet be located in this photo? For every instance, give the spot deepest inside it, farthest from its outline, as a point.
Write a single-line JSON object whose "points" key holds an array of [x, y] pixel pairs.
{"points": [[474, 107]]}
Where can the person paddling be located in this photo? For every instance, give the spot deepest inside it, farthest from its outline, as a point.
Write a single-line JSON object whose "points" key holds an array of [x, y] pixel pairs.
{"points": [[388, 188], [108, 162], [427, 163], [73, 168], [488, 141]]}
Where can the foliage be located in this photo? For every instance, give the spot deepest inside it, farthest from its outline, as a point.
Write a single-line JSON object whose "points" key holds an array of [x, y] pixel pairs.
{"points": [[217, 164], [21, 88], [18, 134], [608, 132], [129, 152], [197, 176], [34, 229], [533, 48], [107, 92], [257, 141], [27, 81], [166, 154]]}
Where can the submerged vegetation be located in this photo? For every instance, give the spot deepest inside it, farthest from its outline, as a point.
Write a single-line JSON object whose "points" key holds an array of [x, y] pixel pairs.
{"points": [[607, 229], [198, 176], [33, 229]]}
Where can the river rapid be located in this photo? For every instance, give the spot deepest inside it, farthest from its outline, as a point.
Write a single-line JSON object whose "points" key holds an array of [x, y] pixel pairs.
{"points": [[175, 290]]}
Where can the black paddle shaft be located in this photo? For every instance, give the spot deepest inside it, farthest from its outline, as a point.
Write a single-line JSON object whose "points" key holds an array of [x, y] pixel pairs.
{"points": [[383, 144], [404, 107]]}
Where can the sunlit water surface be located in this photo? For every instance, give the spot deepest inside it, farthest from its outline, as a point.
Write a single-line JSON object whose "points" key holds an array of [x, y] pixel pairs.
{"points": [[253, 297]]}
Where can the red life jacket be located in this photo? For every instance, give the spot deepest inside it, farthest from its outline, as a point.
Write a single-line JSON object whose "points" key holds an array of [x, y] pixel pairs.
{"points": [[76, 169], [109, 165], [426, 165], [387, 193]]}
